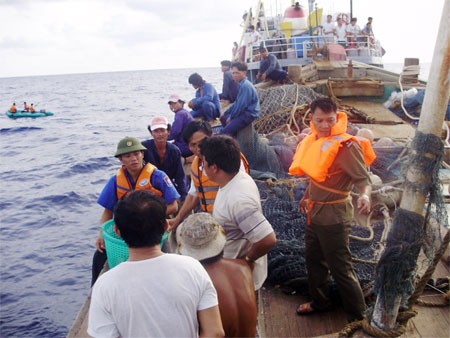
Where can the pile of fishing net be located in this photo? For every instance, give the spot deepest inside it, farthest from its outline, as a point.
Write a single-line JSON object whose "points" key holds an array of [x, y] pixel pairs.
{"points": [[286, 261], [282, 107]]}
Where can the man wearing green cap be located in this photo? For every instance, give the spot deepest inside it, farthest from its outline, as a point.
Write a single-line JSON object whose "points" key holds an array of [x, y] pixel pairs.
{"points": [[134, 174]]}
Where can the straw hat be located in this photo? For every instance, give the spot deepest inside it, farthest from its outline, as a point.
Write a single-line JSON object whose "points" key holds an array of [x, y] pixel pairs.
{"points": [[201, 237]]}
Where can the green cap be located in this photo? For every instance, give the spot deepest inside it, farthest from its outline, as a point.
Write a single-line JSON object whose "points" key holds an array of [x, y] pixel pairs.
{"points": [[128, 145]]}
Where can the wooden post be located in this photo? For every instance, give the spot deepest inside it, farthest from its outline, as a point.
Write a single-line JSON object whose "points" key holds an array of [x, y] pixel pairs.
{"points": [[413, 77], [431, 119]]}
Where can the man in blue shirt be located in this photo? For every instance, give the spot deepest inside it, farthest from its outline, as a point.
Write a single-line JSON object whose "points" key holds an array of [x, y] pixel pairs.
{"points": [[246, 108], [182, 118], [133, 175], [164, 155], [270, 67], [206, 104], [230, 87]]}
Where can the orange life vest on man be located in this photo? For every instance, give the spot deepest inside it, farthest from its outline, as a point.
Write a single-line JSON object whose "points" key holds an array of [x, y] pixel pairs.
{"points": [[13, 108], [144, 181], [207, 189], [314, 156]]}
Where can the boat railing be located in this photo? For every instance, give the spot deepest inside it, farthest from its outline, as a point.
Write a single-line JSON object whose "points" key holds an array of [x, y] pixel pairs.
{"points": [[305, 46]]}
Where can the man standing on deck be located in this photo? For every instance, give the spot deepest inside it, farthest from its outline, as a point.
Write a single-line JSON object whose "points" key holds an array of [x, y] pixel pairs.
{"points": [[133, 175], [246, 108], [270, 67], [238, 206], [333, 171], [206, 104], [230, 87], [152, 294], [329, 29]]}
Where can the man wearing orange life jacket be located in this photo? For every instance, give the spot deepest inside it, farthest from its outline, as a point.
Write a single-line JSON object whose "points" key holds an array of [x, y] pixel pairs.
{"points": [[13, 108], [134, 174], [202, 189], [335, 162]]}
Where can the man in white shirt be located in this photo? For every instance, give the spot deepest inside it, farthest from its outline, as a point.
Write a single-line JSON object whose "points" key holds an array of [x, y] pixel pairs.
{"points": [[353, 31], [152, 294], [238, 206], [329, 29], [341, 31]]}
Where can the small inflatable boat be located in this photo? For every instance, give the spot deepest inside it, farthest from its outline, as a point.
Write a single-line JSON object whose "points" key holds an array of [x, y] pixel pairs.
{"points": [[23, 113]]}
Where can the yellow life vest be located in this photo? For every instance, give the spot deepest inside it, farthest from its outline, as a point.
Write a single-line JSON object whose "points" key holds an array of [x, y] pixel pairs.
{"points": [[207, 189], [144, 181], [314, 156]]}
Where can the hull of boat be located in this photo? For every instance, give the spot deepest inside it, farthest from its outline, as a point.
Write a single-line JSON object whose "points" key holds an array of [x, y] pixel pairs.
{"points": [[21, 114]]}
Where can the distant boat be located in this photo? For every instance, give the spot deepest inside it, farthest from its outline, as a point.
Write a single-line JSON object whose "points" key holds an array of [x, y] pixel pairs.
{"points": [[296, 38], [24, 113]]}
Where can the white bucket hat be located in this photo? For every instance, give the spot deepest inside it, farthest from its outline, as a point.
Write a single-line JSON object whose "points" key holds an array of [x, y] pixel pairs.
{"points": [[201, 237]]}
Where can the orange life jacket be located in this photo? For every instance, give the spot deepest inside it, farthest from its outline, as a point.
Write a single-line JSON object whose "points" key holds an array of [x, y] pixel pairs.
{"points": [[314, 156], [207, 189], [144, 181], [13, 109]]}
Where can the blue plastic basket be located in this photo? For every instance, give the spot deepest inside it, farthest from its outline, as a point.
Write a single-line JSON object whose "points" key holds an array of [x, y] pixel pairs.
{"points": [[116, 248]]}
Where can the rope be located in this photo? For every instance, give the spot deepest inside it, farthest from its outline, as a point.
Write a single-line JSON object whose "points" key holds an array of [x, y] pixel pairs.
{"points": [[402, 320], [446, 302]]}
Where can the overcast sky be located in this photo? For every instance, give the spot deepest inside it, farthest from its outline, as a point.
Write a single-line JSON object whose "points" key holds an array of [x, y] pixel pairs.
{"points": [[40, 37]]}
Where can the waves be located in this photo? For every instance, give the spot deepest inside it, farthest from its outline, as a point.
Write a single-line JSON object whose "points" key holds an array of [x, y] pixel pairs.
{"points": [[17, 130]]}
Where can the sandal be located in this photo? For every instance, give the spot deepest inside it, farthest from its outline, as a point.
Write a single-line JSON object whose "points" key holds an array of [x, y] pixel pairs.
{"points": [[308, 308], [305, 309]]}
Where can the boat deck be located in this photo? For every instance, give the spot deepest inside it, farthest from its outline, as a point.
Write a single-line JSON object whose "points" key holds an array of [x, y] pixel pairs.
{"points": [[277, 317]]}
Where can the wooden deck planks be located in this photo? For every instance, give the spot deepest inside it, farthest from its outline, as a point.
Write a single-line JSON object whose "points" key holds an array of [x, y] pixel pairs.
{"points": [[277, 317]]}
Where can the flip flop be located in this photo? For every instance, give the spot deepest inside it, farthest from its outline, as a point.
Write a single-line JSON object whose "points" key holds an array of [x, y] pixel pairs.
{"points": [[308, 309], [305, 309]]}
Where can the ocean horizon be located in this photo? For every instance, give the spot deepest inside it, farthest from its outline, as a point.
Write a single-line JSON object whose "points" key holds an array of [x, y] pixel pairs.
{"points": [[391, 66]]}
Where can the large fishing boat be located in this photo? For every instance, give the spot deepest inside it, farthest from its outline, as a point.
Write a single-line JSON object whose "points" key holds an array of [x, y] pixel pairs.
{"points": [[297, 37], [365, 93]]}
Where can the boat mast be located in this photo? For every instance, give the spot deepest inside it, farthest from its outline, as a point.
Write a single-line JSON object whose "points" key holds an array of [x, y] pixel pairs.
{"points": [[418, 184], [351, 9]]}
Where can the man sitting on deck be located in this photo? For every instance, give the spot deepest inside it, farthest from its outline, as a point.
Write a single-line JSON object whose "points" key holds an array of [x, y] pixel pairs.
{"points": [[165, 155], [333, 171], [133, 175], [182, 118], [238, 206], [202, 238], [152, 294], [270, 67], [206, 104], [246, 108], [13, 108], [230, 87]]}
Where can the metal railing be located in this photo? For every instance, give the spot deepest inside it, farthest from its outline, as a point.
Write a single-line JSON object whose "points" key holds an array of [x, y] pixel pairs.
{"points": [[302, 47]]}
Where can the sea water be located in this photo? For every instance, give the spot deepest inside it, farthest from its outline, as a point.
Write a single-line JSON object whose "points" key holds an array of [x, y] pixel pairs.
{"points": [[52, 170]]}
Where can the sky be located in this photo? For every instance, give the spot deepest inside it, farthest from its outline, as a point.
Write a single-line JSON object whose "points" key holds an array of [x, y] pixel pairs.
{"points": [[42, 37]]}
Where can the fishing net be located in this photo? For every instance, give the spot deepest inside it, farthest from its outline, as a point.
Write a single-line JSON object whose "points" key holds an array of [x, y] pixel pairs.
{"points": [[282, 107], [415, 242]]}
